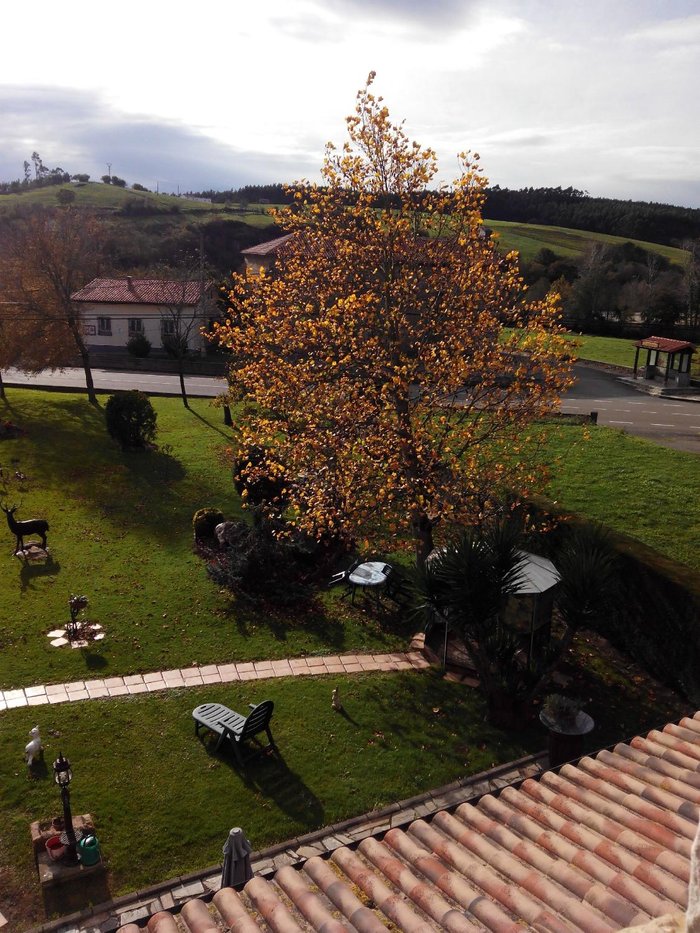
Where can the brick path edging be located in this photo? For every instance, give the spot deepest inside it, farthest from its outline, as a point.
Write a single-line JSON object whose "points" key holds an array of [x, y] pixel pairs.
{"points": [[132, 684]]}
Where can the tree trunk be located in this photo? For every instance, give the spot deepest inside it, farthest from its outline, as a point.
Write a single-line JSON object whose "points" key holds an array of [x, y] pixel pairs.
{"points": [[423, 534], [89, 383], [85, 357], [228, 420], [183, 391], [2, 386]]}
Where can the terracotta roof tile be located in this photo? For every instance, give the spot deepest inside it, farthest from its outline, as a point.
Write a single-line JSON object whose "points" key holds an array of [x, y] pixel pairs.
{"points": [[266, 249], [140, 291], [600, 845], [665, 344]]}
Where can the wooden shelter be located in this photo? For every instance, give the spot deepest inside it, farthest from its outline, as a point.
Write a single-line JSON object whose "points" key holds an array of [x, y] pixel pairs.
{"points": [[678, 354]]}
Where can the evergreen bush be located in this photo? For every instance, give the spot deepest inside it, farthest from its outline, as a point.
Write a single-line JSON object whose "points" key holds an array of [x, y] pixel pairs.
{"points": [[130, 419], [139, 345]]}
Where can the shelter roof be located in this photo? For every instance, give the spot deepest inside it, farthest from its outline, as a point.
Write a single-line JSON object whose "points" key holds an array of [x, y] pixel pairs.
{"points": [[665, 344], [537, 574], [599, 845], [140, 291]]}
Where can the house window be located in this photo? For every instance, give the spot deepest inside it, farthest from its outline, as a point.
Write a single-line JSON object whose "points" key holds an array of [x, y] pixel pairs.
{"points": [[135, 326], [104, 326], [167, 328]]}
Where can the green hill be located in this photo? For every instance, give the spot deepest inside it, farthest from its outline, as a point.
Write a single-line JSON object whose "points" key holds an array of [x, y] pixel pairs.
{"points": [[528, 239], [168, 211]]}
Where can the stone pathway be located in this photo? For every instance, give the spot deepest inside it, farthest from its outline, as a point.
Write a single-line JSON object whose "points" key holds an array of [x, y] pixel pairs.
{"points": [[131, 684]]}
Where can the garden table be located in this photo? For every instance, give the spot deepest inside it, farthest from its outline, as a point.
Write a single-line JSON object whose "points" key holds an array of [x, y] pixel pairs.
{"points": [[371, 574]]}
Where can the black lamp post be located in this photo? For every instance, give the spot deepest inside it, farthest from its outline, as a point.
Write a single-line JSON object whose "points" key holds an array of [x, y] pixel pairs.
{"points": [[62, 776]]}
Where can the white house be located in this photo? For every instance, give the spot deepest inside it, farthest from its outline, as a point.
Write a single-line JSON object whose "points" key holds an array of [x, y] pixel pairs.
{"points": [[114, 310]]}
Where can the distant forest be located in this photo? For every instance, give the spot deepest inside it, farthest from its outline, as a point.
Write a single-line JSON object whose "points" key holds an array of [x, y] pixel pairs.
{"points": [[558, 207]]}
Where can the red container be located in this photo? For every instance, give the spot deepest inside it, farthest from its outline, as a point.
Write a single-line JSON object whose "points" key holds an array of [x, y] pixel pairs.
{"points": [[55, 848]]}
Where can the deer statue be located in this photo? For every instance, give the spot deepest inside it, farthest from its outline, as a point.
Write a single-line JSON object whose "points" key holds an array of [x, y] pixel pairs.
{"points": [[32, 526]]}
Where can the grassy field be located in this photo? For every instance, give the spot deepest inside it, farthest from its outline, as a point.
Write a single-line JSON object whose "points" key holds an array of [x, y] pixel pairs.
{"points": [[121, 533], [101, 197], [635, 486], [529, 239], [400, 734]]}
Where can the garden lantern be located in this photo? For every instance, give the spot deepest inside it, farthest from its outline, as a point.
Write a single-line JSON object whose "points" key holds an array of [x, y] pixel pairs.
{"points": [[63, 776]]}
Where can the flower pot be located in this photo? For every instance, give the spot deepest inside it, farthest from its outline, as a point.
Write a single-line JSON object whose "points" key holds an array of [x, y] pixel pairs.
{"points": [[55, 848]]}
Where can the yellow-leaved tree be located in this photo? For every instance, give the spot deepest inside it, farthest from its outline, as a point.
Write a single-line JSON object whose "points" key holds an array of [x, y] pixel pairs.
{"points": [[391, 359]]}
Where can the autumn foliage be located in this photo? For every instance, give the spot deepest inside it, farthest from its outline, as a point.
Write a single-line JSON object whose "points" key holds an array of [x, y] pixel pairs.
{"points": [[391, 359], [46, 257]]}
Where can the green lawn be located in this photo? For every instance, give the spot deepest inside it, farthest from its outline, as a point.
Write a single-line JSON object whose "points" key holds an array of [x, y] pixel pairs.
{"points": [[163, 801], [635, 486], [120, 531]]}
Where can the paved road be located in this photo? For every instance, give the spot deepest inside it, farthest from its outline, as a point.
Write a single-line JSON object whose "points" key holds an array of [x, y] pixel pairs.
{"points": [[664, 420], [110, 380]]}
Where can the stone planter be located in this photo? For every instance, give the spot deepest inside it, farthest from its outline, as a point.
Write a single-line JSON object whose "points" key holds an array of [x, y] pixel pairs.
{"points": [[566, 739]]}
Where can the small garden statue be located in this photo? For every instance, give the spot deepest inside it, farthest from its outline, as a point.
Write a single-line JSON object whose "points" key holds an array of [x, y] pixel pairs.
{"points": [[33, 749], [30, 526], [335, 700], [76, 604]]}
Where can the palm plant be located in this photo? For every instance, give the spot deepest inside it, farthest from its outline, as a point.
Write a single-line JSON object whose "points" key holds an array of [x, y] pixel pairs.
{"points": [[467, 585]]}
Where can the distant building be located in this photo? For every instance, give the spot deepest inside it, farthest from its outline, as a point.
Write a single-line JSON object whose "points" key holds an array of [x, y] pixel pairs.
{"points": [[263, 255], [114, 310]]}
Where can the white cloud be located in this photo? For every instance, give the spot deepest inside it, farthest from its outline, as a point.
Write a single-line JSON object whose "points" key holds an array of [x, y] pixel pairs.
{"points": [[548, 93]]}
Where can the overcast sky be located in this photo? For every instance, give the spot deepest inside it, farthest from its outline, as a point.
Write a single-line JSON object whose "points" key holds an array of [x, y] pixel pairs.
{"points": [[598, 94]]}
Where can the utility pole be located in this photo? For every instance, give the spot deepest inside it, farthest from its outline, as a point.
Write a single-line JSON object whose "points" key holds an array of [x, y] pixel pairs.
{"points": [[109, 170]]}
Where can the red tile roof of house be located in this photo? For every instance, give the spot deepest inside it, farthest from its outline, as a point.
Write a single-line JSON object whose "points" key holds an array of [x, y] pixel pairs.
{"points": [[600, 845], [665, 344], [140, 291]]}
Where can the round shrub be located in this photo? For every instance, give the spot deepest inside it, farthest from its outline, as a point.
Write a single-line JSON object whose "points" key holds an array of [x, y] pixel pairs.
{"points": [[139, 345], [130, 418], [204, 521]]}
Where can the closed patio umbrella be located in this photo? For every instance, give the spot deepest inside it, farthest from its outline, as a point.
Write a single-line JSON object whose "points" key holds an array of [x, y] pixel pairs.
{"points": [[236, 869]]}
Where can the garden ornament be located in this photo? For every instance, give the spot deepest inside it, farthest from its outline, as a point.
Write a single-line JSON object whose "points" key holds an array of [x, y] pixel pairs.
{"points": [[30, 526], [236, 868], [33, 749], [335, 700]]}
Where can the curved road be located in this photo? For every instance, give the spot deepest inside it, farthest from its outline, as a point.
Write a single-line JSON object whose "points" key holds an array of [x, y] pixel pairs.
{"points": [[666, 421]]}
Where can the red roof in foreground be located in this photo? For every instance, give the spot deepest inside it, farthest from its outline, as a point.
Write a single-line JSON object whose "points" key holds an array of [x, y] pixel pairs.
{"points": [[597, 846], [665, 344], [140, 291]]}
